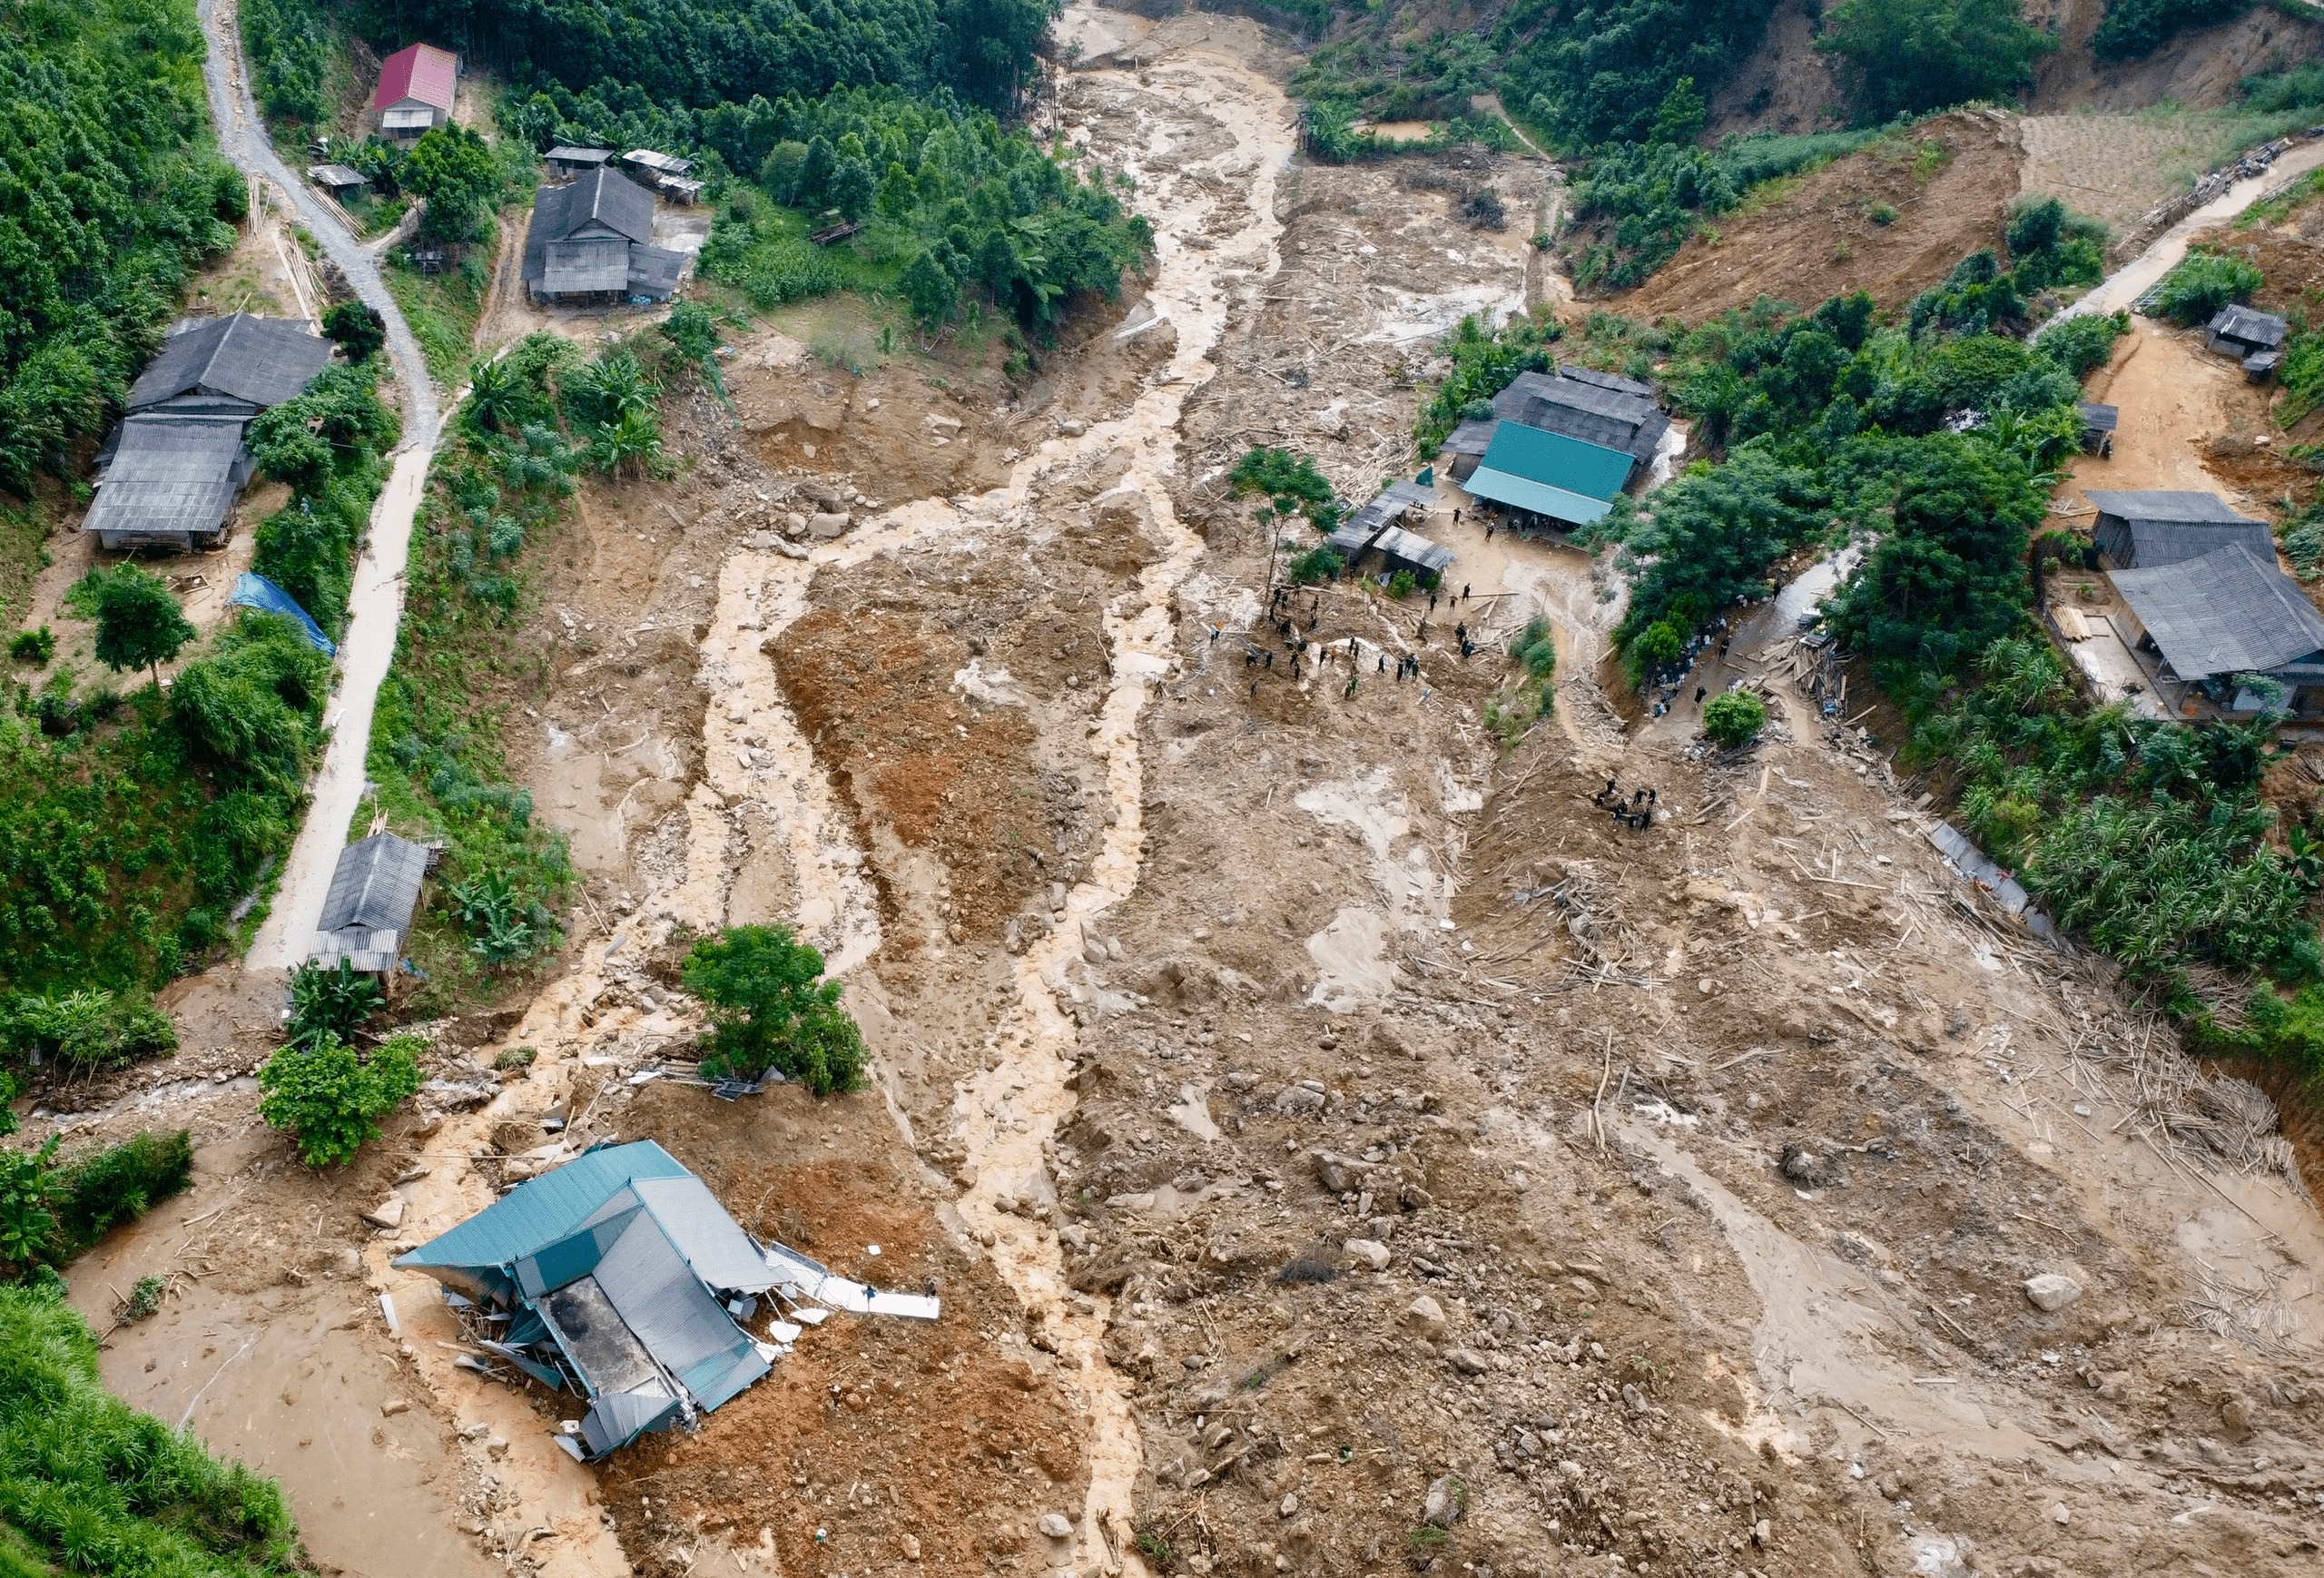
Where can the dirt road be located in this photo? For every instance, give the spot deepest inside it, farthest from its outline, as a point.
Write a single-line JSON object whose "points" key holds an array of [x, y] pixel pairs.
{"points": [[376, 603]]}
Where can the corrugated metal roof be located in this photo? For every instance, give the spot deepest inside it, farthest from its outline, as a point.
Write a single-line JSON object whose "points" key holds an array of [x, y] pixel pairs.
{"points": [[1558, 460], [170, 476], [543, 1209], [2098, 418], [660, 163], [654, 271], [376, 886], [2164, 504], [1586, 409], [712, 1241], [562, 154], [2224, 613], [603, 195], [2150, 545], [1471, 437], [262, 360], [338, 177], [2250, 325], [1607, 381], [580, 268], [419, 71], [1522, 493]]}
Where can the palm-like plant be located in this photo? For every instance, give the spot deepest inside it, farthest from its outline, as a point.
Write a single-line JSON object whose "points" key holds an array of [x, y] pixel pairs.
{"points": [[495, 395]]}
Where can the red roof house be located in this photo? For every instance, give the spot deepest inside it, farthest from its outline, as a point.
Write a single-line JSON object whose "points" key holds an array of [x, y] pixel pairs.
{"points": [[415, 88]]}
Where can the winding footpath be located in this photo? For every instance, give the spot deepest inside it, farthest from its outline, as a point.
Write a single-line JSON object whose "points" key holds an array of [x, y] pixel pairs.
{"points": [[377, 602]]}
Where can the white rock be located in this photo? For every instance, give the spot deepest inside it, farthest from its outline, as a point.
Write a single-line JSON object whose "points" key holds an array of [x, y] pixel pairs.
{"points": [[2051, 1291], [1369, 1253], [1426, 1317], [1056, 1526], [388, 1213]]}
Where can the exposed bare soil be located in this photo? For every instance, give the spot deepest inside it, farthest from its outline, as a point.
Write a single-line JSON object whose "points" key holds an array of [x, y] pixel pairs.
{"points": [[2200, 69], [1339, 1146], [1806, 240]]}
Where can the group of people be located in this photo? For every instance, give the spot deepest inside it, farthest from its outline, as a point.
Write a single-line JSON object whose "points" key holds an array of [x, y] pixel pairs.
{"points": [[1637, 812]]}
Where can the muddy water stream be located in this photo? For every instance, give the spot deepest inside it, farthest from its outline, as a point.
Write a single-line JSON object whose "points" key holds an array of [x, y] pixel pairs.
{"points": [[757, 756]]}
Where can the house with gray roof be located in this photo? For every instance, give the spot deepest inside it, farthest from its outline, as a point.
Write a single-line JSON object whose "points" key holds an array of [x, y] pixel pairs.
{"points": [[2228, 614], [170, 473], [2253, 337], [2148, 529], [590, 240], [1378, 527], [1576, 403], [374, 893]]}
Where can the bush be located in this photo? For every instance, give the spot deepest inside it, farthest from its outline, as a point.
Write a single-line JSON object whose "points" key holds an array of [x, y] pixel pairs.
{"points": [[85, 1031], [773, 1009], [332, 1003], [2082, 344], [139, 623], [359, 330], [1317, 563], [1734, 717], [1912, 55], [1534, 648], [33, 647], [2136, 28], [328, 1097], [1291, 481], [118, 1184], [2195, 291]]}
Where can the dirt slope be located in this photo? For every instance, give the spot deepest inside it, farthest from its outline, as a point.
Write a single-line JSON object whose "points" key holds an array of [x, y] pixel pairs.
{"points": [[2198, 70], [1950, 184]]}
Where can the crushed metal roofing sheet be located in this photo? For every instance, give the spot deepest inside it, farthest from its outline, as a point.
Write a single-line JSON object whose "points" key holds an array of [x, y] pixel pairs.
{"points": [[1607, 381], [686, 1331], [713, 1243], [2102, 419], [376, 887], [2224, 613], [419, 71], [1558, 460], [262, 360]]}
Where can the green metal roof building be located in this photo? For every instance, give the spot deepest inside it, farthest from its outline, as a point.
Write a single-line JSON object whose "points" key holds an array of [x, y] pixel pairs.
{"points": [[1549, 474]]}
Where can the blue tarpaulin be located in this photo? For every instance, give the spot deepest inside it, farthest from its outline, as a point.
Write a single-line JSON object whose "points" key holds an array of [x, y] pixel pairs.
{"points": [[257, 592]]}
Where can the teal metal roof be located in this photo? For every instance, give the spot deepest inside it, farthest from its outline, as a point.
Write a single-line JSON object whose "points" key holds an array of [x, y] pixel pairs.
{"points": [[1521, 493], [1554, 460], [539, 1212]]}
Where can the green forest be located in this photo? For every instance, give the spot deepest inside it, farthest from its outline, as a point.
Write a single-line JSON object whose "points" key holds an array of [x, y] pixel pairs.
{"points": [[110, 194]]}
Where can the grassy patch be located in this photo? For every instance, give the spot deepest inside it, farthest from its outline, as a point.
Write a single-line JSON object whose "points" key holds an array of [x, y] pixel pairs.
{"points": [[443, 309]]}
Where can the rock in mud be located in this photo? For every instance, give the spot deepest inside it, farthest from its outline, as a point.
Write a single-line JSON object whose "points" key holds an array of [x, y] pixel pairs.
{"points": [[1425, 1316], [1368, 1253], [1339, 1175], [1468, 1361], [1307, 1096], [1806, 1168], [2051, 1291], [1056, 1526], [388, 1213], [1443, 1503], [825, 524], [794, 525]]}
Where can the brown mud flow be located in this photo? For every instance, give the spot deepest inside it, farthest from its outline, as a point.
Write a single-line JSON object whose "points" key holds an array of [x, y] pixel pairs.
{"points": [[1339, 1145]]}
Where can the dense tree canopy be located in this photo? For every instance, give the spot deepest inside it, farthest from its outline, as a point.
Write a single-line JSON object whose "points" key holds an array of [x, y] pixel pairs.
{"points": [[694, 53], [1910, 55], [109, 196]]}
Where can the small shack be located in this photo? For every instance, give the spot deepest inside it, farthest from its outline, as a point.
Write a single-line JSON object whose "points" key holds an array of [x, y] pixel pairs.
{"points": [[374, 893], [2148, 529], [619, 1276], [666, 173], [2253, 337], [2098, 425], [338, 181], [565, 163], [417, 86], [1563, 481], [1377, 528], [2227, 613]]}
